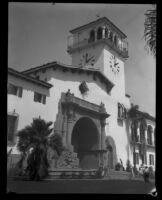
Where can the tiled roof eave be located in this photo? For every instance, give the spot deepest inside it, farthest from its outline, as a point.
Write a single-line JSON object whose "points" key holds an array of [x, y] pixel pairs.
{"points": [[72, 68], [29, 78], [104, 19]]}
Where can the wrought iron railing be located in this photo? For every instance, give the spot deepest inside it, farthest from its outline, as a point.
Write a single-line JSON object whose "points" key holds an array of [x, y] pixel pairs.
{"points": [[122, 48]]}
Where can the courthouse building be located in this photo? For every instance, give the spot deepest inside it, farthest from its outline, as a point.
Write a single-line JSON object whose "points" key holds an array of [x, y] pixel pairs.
{"points": [[86, 100]]}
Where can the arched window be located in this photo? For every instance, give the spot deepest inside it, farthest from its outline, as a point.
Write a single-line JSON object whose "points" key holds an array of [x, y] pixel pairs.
{"points": [[149, 135], [115, 40], [134, 127], [142, 133], [92, 36], [99, 33], [111, 36], [106, 32], [155, 136]]}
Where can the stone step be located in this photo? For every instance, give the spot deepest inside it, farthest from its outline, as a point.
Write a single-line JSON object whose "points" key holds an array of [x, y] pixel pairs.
{"points": [[71, 173], [118, 175]]}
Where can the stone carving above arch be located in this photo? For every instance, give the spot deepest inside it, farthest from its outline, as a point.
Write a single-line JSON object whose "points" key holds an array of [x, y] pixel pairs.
{"points": [[71, 109]]}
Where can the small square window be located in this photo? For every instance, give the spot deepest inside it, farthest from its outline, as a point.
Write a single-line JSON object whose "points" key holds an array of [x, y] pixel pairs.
{"points": [[11, 127], [39, 98], [14, 90]]}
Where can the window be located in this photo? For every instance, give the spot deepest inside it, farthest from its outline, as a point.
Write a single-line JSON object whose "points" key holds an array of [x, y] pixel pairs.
{"points": [[14, 90], [106, 32], [122, 112], [135, 136], [99, 33], [142, 133], [115, 40], [155, 136], [111, 36], [136, 158], [149, 135], [151, 159], [11, 127], [39, 98], [92, 36]]}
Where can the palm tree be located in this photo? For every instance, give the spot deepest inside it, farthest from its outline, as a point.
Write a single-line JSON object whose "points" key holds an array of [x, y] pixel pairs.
{"points": [[34, 141], [150, 30]]}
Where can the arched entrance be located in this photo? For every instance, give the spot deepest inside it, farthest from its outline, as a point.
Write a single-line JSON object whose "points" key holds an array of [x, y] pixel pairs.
{"points": [[85, 141], [111, 152], [110, 156]]}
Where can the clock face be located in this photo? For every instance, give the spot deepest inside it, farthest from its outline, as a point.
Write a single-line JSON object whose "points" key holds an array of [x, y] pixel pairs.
{"points": [[87, 59], [114, 65]]}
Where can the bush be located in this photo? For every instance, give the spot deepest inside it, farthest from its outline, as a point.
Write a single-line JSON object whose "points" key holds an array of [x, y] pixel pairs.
{"points": [[151, 172], [118, 167], [128, 166]]}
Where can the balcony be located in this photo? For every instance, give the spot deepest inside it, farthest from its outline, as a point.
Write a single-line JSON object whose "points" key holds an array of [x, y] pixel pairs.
{"points": [[121, 49], [139, 142]]}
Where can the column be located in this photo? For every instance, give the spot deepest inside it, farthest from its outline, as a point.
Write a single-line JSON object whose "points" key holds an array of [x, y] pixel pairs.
{"points": [[69, 130], [64, 132], [138, 132], [145, 133], [103, 135], [103, 32], [95, 34], [102, 141]]}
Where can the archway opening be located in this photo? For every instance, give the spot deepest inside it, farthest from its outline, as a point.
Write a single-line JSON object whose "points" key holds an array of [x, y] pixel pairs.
{"points": [[85, 140], [99, 33], [110, 156], [92, 36]]}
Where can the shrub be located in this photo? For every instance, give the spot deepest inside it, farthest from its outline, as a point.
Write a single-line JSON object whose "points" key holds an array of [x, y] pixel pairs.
{"points": [[151, 172], [118, 166], [128, 166]]}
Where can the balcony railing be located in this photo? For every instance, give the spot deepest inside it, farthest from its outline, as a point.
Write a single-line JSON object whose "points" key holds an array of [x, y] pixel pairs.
{"points": [[122, 48]]}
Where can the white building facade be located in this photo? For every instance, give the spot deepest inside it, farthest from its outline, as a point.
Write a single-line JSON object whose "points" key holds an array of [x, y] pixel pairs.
{"points": [[86, 100]]}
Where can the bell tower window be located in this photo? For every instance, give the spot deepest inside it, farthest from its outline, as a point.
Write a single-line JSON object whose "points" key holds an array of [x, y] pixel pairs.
{"points": [[92, 36], [111, 36], [115, 40], [99, 33], [106, 32]]}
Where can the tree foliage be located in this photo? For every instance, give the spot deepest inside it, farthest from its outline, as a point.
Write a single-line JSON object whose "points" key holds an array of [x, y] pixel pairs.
{"points": [[34, 141], [150, 30]]}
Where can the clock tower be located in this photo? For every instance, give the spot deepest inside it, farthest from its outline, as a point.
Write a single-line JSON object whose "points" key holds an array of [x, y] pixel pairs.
{"points": [[100, 45]]}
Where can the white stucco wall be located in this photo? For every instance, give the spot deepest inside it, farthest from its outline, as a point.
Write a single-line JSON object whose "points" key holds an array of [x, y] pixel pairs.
{"points": [[25, 107], [64, 81]]}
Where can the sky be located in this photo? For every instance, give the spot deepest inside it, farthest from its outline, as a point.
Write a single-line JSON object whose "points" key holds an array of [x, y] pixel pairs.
{"points": [[37, 34]]}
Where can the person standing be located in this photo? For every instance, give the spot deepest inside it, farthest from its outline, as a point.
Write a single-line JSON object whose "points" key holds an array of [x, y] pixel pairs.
{"points": [[146, 174]]}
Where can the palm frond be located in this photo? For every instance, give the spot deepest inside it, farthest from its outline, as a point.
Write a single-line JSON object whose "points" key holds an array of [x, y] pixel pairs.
{"points": [[150, 31]]}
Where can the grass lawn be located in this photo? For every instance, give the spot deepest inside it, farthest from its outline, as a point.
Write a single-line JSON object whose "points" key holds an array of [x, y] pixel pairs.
{"points": [[81, 186]]}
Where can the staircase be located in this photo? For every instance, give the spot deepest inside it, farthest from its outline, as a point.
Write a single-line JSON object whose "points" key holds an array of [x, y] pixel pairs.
{"points": [[112, 174], [70, 174]]}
